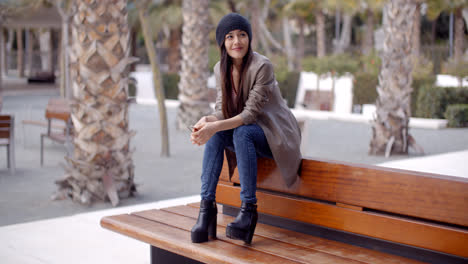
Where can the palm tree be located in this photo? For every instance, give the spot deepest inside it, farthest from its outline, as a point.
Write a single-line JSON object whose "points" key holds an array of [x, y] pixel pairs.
{"points": [[142, 7], [435, 7], [390, 128], [459, 32], [194, 72], [349, 9], [371, 8], [102, 165], [303, 12], [64, 6], [416, 39]]}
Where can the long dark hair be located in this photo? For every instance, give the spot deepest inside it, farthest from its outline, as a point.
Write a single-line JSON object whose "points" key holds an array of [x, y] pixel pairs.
{"points": [[230, 108]]}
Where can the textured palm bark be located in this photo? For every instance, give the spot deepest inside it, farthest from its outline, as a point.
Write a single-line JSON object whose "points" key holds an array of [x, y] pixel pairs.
{"points": [[102, 166], [417, 31], [193, 89], [345, 37], [368, 42], [390, 127], [459, 34], [174, 49], [20, 52], [320, 21]]}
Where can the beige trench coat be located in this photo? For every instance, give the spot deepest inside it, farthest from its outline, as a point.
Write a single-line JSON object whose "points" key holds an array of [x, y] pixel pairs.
{"points": [[265, 106]]}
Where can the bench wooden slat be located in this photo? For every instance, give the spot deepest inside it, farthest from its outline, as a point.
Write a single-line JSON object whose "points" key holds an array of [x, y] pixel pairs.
{"points": [[58, 108], [260, 243], [43, 124], [390, 228], [177, 240], [431, 196], [303, 240]]}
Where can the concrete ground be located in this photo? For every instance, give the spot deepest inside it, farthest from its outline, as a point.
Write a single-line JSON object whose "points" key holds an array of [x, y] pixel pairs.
{"points": [[35, 229]]}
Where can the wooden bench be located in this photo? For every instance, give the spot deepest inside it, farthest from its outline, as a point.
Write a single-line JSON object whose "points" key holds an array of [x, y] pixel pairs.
{"points": [[336, 213], [58, 109], [7, 139]]}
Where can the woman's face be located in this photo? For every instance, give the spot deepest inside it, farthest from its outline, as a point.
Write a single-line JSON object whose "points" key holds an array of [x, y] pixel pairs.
{"points": [[236, 43]]}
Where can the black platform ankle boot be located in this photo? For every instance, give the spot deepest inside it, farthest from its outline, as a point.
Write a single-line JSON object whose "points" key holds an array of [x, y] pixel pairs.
{"points": [[206, 223], [244, 225]]}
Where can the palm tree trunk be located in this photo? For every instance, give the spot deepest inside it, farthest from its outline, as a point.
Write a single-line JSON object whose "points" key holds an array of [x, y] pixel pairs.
{"points": [[300, 44], [2, 52], [2, 62], [174, 50], [102, 166], [9, 49], [45, 47], [20, 50], [368, 42], [459, 34], [345, 38], [193, 95], [416, 39], [390, 128], [158, 88], [288, 44], [29, 51], [65, 14], [320, 21], [255, 9]]}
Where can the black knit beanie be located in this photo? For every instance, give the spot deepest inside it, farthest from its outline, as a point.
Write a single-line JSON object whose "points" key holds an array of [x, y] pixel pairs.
{"points": [[232, 22]]}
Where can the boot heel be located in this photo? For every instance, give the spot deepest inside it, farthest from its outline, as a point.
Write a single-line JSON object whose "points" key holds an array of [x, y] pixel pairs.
{"points": [[248, 238], [206, 222], [243, 227], [199, 237], [212, 227]]}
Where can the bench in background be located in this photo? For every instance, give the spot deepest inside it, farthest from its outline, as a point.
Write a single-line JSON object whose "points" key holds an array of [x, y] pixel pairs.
{"points": [[7, 139], [58, 109]]}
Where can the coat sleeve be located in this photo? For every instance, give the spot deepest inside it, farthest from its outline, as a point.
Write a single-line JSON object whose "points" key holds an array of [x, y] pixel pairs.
{"points": [[259, 94], [218, 112]]}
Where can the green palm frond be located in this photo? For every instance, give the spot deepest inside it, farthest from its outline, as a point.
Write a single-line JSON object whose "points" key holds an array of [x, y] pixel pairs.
{"points": [[435, 7]]}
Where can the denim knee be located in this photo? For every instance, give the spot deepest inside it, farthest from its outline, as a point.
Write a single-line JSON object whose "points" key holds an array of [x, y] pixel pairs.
{"points": [[243, 133]]}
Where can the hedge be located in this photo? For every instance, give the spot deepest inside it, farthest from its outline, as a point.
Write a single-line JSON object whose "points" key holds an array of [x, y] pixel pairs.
{"points": [[433, 101], [365, 89], [171, 85], [288, 83], [457, 115]]}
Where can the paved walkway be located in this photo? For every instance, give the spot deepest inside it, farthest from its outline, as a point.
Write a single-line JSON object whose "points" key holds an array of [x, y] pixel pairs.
{"points": [[34, 229]]}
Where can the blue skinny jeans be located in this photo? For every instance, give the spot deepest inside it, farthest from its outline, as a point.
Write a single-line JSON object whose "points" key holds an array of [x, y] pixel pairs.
{"points": [[249, 143]]}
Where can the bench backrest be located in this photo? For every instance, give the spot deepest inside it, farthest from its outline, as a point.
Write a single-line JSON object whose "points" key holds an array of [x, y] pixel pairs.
{"points": [[58, 108], [407, 207], [6, 126]]}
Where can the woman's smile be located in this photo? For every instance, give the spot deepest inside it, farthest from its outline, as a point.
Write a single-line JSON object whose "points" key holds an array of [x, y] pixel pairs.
{"points": [[236, 43]]}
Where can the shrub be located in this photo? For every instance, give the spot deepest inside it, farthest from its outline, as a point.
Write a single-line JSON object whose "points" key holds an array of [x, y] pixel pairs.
{"points": [[364, 88], [213, 56], [433, 101], [371, 63], [287, 80], [457, 115], [456, 67], [288, 86], [366, 81], [337, 64], [171, 85], [131, 88], [422, 81]]}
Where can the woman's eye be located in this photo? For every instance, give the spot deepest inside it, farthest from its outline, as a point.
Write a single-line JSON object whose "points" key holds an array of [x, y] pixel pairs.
{"points": [[243, 34], [229, 37]]}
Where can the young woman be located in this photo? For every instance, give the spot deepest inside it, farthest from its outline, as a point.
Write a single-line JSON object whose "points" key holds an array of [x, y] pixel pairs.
{"points": [[251, 120]]}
